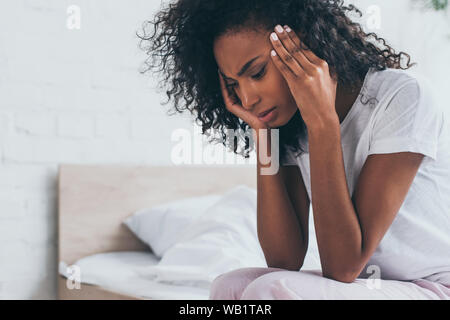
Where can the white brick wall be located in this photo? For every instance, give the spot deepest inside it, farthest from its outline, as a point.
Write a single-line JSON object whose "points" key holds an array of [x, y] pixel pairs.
{"points": [[76, 96], [66, 96]]}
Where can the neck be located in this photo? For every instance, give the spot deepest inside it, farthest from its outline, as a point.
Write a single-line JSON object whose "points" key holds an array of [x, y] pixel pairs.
{"points": [[345, 98]]}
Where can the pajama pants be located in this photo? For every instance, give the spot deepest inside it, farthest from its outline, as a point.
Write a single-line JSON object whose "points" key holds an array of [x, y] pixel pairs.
{"points": [[280, 284]]}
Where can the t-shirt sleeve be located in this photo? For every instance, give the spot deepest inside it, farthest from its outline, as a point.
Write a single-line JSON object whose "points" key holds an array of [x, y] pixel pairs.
{"points": [[409, 122]]}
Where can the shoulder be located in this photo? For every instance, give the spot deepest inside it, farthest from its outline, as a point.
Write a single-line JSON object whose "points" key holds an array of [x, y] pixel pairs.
{"points": [[389, 81], [406, 116], [403, 89]]}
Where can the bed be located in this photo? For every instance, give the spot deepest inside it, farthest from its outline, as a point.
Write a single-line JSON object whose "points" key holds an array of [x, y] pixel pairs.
{"points": [[93, 201]]}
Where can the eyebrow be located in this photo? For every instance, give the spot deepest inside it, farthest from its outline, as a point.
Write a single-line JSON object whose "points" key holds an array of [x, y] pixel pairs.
{"points": [[244, 68]]}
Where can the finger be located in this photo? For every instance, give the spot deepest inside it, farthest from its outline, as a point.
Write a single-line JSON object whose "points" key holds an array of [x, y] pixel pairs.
{"points": [[284, 69], [223, 90], [306, 51], [232, 106], [226, 94], [223, 87], [294, 49], [236, 108], [285, 57]]}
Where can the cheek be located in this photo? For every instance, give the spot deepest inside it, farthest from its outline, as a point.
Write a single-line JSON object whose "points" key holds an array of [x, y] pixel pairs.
{"points": [[279, 82], [281, 89]]}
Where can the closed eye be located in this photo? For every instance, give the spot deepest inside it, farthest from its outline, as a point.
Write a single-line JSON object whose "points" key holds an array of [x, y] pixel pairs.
{"points": [[257, 76]]}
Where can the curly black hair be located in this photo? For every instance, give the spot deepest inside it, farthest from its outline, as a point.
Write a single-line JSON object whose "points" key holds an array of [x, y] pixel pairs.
{"points": [[180, 47]]}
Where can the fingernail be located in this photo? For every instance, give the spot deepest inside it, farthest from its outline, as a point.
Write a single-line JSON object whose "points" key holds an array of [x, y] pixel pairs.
{"points": [[274, 36], [279, 29], [273, 53], [287, 29]]}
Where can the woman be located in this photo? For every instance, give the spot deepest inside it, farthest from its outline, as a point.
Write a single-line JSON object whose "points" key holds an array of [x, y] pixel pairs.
{"points": [[361, 140]]}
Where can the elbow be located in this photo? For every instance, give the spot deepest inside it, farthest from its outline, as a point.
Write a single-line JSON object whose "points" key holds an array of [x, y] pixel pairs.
{"points": [[345, 278], [290, 266], [346, 273], [290, 263], [341, 276]]}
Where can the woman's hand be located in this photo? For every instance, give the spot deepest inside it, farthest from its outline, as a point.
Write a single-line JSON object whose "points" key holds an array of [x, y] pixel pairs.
{"points": [[237, 109], [307, 76]]}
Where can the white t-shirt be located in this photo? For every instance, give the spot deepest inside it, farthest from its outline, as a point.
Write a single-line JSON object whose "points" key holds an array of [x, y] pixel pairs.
{"points": [[404, 117]]}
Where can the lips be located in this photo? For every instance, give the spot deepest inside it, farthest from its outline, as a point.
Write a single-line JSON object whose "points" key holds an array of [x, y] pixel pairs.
{"points": [[262, 114]]}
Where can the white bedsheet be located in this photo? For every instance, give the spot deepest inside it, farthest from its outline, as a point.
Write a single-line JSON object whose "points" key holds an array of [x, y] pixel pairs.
{"points": [[220, 239], [116, 271], [121, 272]]}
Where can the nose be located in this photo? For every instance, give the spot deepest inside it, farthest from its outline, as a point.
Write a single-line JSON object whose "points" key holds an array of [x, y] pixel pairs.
{"points": [[249, 97]]}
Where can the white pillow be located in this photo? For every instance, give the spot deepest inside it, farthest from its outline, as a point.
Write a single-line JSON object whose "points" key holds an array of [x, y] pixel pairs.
{"points": [[159, 227], [222, 239]]}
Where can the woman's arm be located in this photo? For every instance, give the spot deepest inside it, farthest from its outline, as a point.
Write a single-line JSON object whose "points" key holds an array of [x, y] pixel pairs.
{"points": [[348, 230], [283, 236], [282, 215]]}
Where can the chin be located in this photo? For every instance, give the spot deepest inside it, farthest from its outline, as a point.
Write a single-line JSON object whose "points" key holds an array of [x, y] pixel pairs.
{"points": [[276, 125], [280, 121]]}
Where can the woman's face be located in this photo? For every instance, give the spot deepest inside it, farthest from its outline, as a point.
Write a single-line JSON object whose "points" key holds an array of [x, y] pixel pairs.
{"points": [[260, 86]]}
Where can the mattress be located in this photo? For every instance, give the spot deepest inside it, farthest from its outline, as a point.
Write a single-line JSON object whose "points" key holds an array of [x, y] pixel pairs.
{"points": [[120, 272]]}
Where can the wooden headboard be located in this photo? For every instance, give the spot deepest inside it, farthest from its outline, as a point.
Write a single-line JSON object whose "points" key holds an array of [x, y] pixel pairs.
{"points": [[93, 200]]}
